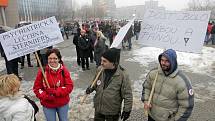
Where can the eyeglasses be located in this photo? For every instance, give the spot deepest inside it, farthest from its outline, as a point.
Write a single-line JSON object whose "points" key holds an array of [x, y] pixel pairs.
{"points": [[52, 58]]}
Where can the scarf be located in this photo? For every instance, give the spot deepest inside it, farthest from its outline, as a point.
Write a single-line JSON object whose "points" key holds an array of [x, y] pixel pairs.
{"points": [[53, 68]]}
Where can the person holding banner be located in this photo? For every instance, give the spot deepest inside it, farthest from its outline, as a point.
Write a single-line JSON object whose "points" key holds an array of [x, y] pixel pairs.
{"points": [[127, 38], [112, 87], [54, 96], [11, 65], [173, 98]]}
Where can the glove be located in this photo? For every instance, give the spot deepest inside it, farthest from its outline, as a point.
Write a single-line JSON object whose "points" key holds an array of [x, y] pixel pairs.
{"points": [[125, 115], [51, 91], [89, 90]]}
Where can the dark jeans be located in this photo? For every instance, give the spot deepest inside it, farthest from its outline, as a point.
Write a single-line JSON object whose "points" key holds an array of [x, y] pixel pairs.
{"points": [[111, 41], [67, 35], [212, 39], [78, 56], [43, 59], [101, 117], [28, 60], [150, 118], [137, 35], [91, 55], [12, 66], [84, 61], [129, 43]]}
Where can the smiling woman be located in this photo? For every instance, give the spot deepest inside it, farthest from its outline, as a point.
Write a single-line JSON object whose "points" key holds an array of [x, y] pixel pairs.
{"points": [[56, 98]]}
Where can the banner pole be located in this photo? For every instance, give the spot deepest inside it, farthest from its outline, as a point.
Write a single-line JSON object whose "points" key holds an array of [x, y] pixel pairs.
{"points": [[41, 67], [94, 81], [152, 91]]}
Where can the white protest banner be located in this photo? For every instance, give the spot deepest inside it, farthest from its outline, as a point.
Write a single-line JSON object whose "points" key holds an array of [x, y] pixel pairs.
{"points": [[121, 34], [30, 38], [179, 30]]}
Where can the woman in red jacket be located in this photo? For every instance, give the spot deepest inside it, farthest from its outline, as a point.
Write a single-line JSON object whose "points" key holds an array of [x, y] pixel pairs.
{"points": [[56, 98]]}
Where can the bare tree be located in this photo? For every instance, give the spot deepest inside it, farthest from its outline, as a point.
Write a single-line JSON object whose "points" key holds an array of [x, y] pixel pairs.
{"points": [[202, 5]]}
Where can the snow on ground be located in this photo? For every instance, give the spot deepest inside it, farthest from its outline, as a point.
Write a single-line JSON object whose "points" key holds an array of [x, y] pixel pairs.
{"points": [[190, 62], [69, 58], [2, 65], [197, 63]]}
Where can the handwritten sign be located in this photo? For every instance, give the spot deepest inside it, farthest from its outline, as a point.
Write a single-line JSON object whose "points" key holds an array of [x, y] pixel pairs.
{"points": [[30, 38], [179, 30], [121, 34]]}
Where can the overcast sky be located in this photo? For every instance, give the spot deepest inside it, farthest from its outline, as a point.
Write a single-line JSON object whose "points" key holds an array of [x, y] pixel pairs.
{"points": [[168, 4]]}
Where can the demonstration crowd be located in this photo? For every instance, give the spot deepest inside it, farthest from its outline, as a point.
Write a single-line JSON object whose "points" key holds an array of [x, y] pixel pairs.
{"points": [[167, 93]]}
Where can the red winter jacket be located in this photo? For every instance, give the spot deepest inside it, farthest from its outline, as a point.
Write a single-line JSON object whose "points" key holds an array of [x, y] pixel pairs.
{"points": [[60, 81]]}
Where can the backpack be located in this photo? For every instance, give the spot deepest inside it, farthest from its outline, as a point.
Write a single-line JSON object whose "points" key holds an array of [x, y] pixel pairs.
{"points": [[34, 105]]}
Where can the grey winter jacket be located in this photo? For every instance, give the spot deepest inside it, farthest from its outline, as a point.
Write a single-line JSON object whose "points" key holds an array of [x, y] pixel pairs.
{"points": [[99, 48], [173, 98], [108, 101], [16, 108]]}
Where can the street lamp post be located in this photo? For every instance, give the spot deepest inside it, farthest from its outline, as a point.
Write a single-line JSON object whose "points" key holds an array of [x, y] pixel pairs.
{"points": [[3, 16]]}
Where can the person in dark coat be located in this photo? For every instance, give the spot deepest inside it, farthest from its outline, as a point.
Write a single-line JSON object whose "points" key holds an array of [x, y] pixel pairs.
{"points": [[127, 38], [75, 42], [66, 29], [137, 28], [89, 34], [11, 65], [22, 59], [84, 44]]}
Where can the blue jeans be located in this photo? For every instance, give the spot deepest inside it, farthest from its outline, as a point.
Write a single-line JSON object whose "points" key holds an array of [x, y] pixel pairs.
{"points": [[50, 113], [137, 35]]}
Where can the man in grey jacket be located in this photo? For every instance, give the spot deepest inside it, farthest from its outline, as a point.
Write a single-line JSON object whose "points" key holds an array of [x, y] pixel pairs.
{"points": [[173, 98], [112, 87]]}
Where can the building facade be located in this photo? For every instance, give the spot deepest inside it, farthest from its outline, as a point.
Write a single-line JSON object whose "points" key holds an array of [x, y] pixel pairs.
{"points": [[34, 10], [9, 14], [104, 8], [137, 10]]}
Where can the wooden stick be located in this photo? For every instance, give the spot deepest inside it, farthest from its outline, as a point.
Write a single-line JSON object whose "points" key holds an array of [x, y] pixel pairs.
{"points": [[41, 67], [151, 93], [91, 86]]}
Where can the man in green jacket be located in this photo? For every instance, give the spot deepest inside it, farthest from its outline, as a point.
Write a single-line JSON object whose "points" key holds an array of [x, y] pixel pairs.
{"points": [[173, 98], [112, 87]]}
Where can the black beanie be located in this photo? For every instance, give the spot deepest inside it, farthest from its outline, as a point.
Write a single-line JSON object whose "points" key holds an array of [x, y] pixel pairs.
{"points": [[112, 55]]}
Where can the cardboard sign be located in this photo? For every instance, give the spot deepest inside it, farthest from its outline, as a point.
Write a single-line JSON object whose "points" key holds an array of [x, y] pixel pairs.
{"points": [[179, 30], [30, 38]]}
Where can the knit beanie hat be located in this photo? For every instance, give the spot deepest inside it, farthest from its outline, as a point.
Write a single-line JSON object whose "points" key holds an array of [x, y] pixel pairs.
{"points": [[112, 55]]}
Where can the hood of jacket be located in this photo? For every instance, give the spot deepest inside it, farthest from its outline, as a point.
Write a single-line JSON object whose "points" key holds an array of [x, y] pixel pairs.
{"points": [[7, 101], [170, 54]]}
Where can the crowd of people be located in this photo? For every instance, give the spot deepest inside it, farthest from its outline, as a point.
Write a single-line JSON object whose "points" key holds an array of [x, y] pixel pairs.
{"points": [[172, 100], [91, 40]]}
